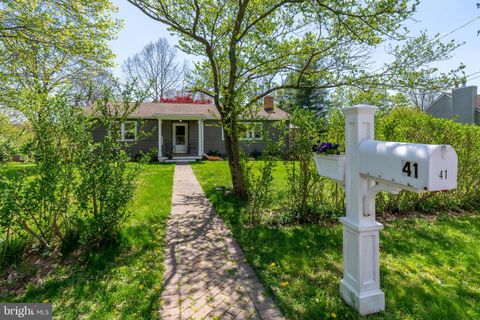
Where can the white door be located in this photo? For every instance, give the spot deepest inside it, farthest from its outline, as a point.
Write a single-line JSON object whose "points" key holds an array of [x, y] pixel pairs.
{"points": [[180, 138]]}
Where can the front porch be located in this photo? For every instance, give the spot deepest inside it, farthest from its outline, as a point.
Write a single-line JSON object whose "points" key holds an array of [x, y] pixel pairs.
{"points": [[180, 138]]}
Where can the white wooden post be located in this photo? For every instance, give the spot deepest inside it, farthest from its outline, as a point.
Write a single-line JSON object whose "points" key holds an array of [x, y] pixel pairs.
{"points": [[200, 137], [360, 286], [368, 167], [160, 139]]}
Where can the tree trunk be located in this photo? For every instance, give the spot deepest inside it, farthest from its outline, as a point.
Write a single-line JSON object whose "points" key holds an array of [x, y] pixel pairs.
{"points": [[233, 153]]}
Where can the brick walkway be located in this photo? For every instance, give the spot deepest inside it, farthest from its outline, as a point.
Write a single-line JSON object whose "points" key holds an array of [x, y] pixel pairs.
{"points": [[206, 276]]}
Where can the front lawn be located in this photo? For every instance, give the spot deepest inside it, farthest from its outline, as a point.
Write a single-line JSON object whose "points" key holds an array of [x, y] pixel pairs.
{"points": [[123, 282], [430, 267]]}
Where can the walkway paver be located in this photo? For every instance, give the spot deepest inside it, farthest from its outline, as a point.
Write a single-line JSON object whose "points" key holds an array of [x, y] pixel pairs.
{"points": [[206, 276]]}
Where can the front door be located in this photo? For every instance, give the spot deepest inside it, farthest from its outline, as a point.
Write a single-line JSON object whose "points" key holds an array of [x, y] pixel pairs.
{"points": [[180, 138]]}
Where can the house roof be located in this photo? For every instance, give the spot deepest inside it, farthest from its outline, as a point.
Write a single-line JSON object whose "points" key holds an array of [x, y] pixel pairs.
{"points": [[444, 94], [153, 110]]}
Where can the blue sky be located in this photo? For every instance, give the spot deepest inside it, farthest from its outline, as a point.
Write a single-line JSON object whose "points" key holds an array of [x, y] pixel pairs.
{"points": [[435, 16]]}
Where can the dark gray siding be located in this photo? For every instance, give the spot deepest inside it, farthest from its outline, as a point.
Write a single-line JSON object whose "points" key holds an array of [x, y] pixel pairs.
{"points": [[442, 108], [214, 142], [477, 117], [147, 137], [464, 102], [269, 128], [212, 134]]}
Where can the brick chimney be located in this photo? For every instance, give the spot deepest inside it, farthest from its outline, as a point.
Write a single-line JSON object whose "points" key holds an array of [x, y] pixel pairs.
{"points": [[268, 103]]}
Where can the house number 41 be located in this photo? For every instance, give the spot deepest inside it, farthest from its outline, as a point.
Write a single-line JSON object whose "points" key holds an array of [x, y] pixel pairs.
{"points": [[410, 169], [443, 174]]}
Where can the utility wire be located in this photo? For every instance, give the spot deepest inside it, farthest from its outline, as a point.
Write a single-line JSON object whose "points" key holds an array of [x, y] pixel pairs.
{"points": [[446, 35], [474, 78], [471, 74], [461, 27]]}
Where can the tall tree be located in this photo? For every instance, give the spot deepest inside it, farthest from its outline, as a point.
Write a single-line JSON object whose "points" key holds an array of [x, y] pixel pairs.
{"points": [[155, 69], [46, 44], [251, 46], [307, 97]]}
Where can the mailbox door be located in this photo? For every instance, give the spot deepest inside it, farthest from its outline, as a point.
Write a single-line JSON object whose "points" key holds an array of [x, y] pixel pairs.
{"points": [[416, 167], [443, 169]]}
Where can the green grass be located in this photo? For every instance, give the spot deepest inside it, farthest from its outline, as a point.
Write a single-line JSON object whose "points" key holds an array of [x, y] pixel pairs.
{"points": [[122, 282], [430, 268], [10, 169]]}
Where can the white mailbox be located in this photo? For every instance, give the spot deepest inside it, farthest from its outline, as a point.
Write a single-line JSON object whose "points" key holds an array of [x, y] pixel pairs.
{"points": [[415, 167], [370, 167]]}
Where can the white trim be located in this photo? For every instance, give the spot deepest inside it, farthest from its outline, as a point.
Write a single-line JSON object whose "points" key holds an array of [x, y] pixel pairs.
{"points": [[251, 136], [160, 138], [223, 133], [122, 131], [200, 138], [181, 117], [178, 124]]}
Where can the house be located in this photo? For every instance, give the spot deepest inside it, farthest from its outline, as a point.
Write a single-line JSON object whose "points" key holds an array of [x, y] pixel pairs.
{"points": [[189, 130], [462, 104]]}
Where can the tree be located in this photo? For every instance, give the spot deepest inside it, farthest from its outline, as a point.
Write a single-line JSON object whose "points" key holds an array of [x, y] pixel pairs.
{"points": [[251, 46], [155, 69], [308, 97], [342, 97], [423, 98], [46, 44]]}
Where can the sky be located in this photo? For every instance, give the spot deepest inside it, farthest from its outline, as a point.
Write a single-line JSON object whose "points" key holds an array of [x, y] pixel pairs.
{"points": [[435, 16]]}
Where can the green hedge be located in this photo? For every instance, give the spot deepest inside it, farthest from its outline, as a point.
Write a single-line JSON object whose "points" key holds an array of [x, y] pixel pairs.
{"points": [[412, 125]]}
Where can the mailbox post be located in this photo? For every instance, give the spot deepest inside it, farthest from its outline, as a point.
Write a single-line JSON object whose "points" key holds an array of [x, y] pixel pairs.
{"points": [[372, 166], [360, 286]]}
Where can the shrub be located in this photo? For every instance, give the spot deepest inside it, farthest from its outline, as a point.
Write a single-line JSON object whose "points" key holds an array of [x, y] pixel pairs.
{"points": [[79, 190], [305, 187], [256, 154], [213, 153], [407, 124], [6, 149], [259, 177]]}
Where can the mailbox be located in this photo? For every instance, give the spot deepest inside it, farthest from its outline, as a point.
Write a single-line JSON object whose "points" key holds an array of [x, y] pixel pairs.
{"points": [[410, 166]]}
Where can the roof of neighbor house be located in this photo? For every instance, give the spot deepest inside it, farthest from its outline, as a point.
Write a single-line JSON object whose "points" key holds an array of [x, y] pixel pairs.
{"points": [[477, 107], [155, 110]]}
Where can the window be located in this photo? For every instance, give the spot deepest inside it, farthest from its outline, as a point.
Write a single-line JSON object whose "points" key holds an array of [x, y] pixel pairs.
{"points": [[250, 131], [128, 131]]}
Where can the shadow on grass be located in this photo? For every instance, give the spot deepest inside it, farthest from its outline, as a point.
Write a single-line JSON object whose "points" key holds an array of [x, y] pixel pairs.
{"points": [[98, 281], [429, 269], [118, 282]]}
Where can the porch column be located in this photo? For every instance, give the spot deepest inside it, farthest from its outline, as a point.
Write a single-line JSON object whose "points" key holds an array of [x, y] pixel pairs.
{"points": [[160, 139], [200, 137]]}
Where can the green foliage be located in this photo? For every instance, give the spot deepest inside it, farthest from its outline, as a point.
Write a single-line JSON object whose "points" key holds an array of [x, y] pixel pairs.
{"points": [[250, 47], [304, 184], [47, 44], [413, 125], [259, 177], [79, 189], [408, 124], [6, 149], [12, 135], [118, 282], [429, 266]]}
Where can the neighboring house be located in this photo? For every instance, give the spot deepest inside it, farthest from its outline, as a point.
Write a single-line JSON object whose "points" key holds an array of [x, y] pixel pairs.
{"points": [[188, 130], [463, 105]]}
